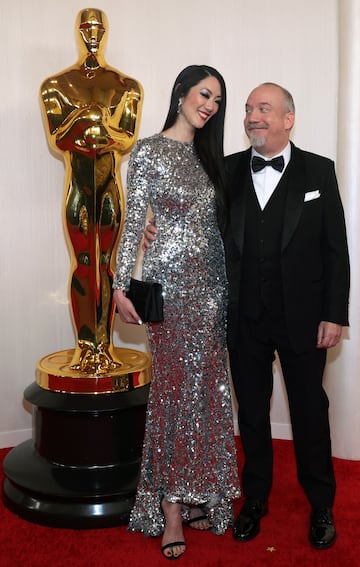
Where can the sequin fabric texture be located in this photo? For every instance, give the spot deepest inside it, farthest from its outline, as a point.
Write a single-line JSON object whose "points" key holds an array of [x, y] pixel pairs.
{"points": [[189, 452]]}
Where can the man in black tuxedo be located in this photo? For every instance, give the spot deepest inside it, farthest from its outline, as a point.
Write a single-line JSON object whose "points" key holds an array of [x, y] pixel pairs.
{"points": [[288, 271]]}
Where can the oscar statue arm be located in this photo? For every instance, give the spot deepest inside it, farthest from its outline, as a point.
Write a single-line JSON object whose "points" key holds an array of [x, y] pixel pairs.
{"points": [[123, 125]]}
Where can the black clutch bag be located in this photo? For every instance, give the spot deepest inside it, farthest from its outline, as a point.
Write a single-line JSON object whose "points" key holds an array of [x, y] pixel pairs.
{"points": [[148, 300]]}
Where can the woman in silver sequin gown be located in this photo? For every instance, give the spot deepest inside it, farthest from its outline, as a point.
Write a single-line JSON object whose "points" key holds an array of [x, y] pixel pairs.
{"points": [[189, 466]]}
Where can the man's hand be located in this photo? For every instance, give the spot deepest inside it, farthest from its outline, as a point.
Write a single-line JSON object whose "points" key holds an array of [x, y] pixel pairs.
{"points": [[329, 334], [126, 308], [150, 234]]}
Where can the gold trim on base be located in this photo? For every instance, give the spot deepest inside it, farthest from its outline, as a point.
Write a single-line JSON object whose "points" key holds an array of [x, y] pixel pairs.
{"points": [[54, 372]]}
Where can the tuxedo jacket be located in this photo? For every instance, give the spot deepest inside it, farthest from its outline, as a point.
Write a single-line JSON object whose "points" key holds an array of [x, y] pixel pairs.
{"points": [[314, 258]]}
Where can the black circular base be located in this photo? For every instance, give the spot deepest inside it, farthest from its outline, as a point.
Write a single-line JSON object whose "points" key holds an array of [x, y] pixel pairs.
{"points": [[81, 468], [54, 495]]}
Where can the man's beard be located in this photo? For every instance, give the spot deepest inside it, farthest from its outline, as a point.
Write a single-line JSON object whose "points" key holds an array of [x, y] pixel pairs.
{"points": [[256, 141]]}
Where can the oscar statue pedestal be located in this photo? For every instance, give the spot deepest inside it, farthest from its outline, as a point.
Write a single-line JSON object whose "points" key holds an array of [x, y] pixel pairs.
{"points": [[81, 468]]}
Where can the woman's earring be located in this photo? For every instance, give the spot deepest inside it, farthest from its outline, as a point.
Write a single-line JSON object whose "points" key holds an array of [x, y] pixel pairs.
{"points": [[179, 105]]}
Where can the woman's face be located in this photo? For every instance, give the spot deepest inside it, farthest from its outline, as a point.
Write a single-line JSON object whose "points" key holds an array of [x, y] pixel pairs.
{"points": [[201, 102]]}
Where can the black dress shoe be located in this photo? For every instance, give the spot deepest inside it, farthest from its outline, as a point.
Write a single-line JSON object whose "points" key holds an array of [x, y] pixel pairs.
{"points": [[247, 524], [322, 528]]}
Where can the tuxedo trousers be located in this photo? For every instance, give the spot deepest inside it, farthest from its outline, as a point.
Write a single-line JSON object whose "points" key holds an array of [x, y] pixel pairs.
{"points": [[252, 373]]}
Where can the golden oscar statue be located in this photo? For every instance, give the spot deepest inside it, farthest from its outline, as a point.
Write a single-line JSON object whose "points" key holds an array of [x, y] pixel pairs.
{"points": [[91, 114], [89, 402]]}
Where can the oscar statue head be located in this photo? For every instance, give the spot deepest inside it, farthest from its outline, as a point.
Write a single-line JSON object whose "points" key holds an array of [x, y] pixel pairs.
{"points": [[92, 25]]}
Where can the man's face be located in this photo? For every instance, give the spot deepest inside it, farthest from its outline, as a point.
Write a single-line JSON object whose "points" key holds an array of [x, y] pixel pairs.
{"points": [[267, 120]]}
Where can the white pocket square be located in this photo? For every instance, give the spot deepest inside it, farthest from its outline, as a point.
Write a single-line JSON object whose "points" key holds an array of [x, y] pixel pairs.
{"points": [[310, 195]]}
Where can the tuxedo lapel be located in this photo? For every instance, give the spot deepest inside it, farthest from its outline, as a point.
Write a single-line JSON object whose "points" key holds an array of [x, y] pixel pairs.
{"points": [[295, 179], [238, 186]]}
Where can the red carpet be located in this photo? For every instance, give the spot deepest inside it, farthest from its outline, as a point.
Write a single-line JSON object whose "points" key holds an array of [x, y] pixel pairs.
{"points": [[281, 543]]}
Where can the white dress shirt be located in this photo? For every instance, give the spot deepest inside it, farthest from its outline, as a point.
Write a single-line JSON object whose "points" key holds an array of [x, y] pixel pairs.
{"points": [[266, 180]]}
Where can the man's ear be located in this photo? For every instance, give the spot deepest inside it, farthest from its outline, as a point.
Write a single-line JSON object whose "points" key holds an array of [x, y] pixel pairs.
{"points": [[289, 120]]}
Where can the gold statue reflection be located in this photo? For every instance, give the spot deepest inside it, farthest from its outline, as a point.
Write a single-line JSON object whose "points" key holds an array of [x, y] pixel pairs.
{"points": [[92, 112]]}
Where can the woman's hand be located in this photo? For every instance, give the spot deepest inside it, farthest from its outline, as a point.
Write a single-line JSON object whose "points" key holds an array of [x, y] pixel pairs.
{"points": [[150, 234], [126, 308]]}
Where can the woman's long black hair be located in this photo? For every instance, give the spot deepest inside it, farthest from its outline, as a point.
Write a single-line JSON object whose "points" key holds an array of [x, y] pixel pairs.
{"points": [[209, 140]]}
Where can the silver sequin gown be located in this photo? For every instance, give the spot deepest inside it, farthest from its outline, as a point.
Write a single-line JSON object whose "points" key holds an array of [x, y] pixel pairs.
{"points": [[189, 452]]}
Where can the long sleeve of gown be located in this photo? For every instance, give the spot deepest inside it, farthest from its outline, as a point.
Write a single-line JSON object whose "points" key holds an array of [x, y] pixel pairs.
{"points": [[137, 201]]}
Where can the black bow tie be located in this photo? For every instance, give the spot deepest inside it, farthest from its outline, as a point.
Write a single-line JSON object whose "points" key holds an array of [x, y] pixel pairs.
{"points": [[259, 163]]}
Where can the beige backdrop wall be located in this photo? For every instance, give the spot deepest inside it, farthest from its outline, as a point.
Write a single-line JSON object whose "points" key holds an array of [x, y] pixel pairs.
{"points": [[291, 42]]}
